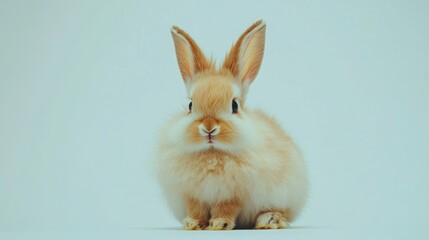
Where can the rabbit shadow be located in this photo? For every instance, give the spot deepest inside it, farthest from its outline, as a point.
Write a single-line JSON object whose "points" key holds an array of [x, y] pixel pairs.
{"points": [[290, 228]]}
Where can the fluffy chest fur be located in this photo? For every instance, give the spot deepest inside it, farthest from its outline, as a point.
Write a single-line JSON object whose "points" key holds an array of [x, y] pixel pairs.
{"points": [[211, 177]]}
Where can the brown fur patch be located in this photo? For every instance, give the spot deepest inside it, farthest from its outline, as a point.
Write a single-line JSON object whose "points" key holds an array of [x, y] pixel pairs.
{"points": [[226, 209], [193, 135], [213, 94], [227, 133], [209, 123], [287, 214], [197, 209]]}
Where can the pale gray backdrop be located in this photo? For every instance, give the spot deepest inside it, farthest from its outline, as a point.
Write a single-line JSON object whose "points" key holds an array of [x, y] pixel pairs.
{"points": [[85, 86]]}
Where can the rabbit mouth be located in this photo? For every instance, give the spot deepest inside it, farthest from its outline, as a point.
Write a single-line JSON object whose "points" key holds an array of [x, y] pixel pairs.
{"points": [[211, 139]]}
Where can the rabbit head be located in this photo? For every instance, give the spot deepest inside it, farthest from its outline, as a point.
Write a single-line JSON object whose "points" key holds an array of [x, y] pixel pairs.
{"points": [[217, 117]]}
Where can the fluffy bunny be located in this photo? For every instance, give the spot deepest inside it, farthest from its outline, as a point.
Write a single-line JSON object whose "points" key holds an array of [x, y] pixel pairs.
{"points": [[220, 164]]}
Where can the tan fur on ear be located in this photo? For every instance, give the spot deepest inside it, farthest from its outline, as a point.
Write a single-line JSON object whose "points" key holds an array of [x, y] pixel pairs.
{"points": [[190, 58], [245, 57]]}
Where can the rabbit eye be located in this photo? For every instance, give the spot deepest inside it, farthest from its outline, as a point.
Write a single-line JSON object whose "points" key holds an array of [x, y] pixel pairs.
{"points": [[234, 106], [190, 107]]}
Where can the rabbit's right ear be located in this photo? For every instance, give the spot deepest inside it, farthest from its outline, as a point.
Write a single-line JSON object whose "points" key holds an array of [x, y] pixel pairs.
{"points": [[190, 58], [245, 57]]}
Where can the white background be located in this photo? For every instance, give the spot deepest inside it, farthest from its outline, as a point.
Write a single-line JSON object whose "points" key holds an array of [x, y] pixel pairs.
{"points": [[85, 86]]}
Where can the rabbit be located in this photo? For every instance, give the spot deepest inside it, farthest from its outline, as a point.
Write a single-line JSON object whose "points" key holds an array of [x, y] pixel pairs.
{"points": [[220, 164]]}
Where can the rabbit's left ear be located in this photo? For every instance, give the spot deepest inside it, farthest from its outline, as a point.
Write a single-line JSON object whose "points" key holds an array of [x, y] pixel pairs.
{"points": [[245, 57], [190, 58]]}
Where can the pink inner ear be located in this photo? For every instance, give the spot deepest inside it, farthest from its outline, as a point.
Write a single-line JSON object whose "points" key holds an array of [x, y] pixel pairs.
{"points": [[251, 54], [245, 57], [182, 56], [190, 58]]}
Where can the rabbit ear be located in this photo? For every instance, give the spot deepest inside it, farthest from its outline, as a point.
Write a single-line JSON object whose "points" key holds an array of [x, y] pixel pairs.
{"points": [[190, 58], [245, 57]]}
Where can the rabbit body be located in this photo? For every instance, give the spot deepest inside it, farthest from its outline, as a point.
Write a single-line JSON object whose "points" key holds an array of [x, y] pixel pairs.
{"points": [[220, 164]]}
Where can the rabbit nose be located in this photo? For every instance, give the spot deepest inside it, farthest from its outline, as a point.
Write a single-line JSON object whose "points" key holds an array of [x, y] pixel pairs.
{"points": [[212, 132], [209, 127]]}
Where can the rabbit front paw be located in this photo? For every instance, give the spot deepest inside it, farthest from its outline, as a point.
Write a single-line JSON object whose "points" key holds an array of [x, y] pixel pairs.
{"points": [[220, 224], [194, 224]]}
